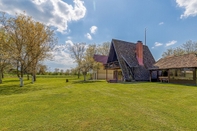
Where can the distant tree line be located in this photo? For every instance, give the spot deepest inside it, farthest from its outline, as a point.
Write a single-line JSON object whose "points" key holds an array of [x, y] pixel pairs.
{"points": [[186, 48], [24, 44]]}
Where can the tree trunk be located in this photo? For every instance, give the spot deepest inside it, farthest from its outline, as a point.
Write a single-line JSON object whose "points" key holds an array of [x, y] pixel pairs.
{"points": [[84, 77], [27, 76], [21, 77], [1, 77], [78, 73], [21, 82], [32, 79]]}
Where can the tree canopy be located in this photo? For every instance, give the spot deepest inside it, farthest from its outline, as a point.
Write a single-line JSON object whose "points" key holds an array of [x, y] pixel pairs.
{"points": [[186, 48], [29, 41], [83, 55]]}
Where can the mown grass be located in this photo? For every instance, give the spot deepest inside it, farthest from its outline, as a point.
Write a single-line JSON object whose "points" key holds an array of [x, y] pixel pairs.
{"points": [[52, 104]]}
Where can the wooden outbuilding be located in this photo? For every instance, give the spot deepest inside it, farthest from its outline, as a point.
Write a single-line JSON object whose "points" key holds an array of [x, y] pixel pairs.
{"points": [[176, 69]]}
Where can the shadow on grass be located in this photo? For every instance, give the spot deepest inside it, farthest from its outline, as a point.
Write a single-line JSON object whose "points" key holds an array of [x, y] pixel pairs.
{"points": [[10, 81], [10, 90], [84, 82], [160, 83], [177, 84], [14, 88], [134, 82]]}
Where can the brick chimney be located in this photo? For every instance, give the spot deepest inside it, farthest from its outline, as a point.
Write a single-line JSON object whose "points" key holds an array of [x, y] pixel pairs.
{"points": [[139, 52]]}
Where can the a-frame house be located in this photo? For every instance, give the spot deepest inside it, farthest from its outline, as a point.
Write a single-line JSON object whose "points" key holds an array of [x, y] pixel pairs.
{"points": [[130, 61]]}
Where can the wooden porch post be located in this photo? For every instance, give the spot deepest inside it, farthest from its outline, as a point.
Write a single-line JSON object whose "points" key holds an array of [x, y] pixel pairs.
{"points": [[194, 75], [150, 75], [157, 75], [97, 75], [116, 75], [106, 75], [168, 75]]}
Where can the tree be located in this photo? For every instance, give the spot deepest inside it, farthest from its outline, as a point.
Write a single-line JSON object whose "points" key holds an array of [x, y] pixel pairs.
{"points": [[178, 51], [77, 51], [103, 49], [41, 69], [41, 42], [189, 47], [67, 72], [5, 53], [167, 53], [61, 72], [31, 42], [186, 48], [88, 62], [56, 72]]}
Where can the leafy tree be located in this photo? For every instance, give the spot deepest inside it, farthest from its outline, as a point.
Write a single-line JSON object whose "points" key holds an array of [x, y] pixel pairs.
{"points": [[73, 71], [77, 51], [190, 47], [41, 69], [169, 52], [67, 72], [88, 62], [56, 71], [31, 42], [186, 48], [103, 49], [61, 72], [178, 51], [5, 53]]}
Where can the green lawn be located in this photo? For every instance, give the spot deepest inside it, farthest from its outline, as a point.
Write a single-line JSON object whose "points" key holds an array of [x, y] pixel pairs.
{"points": [[51, 104]]}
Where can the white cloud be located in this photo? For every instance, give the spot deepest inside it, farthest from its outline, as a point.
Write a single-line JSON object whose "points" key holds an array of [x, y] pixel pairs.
{"points": [[88, 36], [69, 37], [93, 29], [158, 44], [161, 23], [190, 7], [56, 13], [61, 58], [69, 42], [171, 43]]}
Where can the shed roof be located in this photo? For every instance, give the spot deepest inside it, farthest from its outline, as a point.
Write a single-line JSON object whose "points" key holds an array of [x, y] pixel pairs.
{"points": [[186, 60]]}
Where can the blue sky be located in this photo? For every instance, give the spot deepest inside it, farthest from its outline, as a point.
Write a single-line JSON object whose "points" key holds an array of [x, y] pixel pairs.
{"points": [[169, 23]]}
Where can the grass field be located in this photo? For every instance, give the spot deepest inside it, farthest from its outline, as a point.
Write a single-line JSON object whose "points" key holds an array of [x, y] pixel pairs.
{"points": [[51, 104]]}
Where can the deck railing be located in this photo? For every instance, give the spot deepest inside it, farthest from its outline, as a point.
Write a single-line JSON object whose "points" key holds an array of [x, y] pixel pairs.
{"points": [[112, 65]]}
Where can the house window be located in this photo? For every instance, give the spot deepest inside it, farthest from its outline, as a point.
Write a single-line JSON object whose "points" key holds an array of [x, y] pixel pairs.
{"points": [[182, 74]]}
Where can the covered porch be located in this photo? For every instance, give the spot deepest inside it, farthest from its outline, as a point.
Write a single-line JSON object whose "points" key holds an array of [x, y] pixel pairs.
{"points": [[179, 69], [175, 75], [117, 72], [159, 75]]}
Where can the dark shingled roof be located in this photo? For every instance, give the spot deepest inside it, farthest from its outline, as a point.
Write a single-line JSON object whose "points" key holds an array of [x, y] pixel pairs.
{"points": [[100, 58], [127, 51], [187, 60]]}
